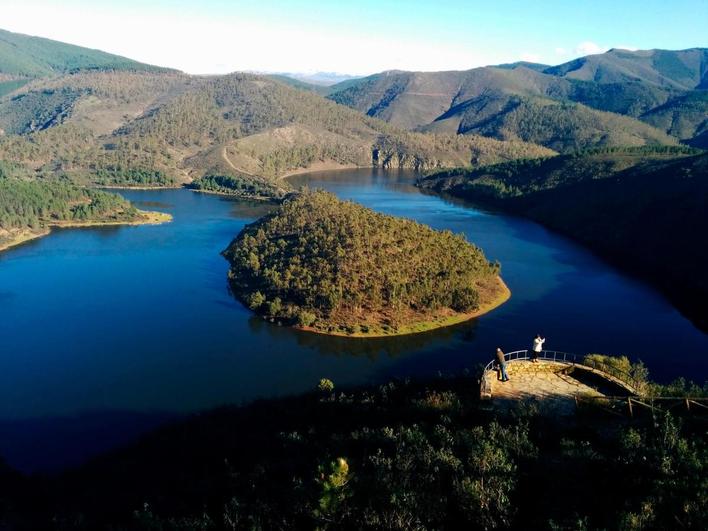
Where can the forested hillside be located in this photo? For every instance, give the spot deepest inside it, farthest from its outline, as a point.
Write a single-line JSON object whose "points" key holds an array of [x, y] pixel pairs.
{"points": [[645, 210], [27, 57], [164, 129], [339, 267]]}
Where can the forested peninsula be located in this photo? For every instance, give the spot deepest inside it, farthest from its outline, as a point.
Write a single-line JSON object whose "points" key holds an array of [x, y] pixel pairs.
{"points": [[336, 267], [642, 208], [28, 209]]}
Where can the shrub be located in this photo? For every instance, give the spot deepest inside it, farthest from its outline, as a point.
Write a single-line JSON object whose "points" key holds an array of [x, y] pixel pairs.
{"points": [[255, 300], [305, 318], [275, 307], [326, 385]]}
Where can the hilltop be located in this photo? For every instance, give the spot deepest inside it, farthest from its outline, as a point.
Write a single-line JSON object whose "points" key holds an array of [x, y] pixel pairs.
{"points": [[504, 101], [643, 209], [337, 267]]}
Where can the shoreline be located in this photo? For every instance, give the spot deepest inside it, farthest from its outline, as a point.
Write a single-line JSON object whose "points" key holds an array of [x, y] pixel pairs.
{"points": [[319, 167], [150, 218], [263, 199], [426, 326], [119, 187]]}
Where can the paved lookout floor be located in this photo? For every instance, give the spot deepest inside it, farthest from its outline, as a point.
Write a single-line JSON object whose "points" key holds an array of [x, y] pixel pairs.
{"points": [[550, 384]]}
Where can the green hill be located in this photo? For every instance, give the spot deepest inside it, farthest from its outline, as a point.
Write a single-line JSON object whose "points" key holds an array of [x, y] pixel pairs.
{"points": [[26, 56], [641, 209], [338, 267]]}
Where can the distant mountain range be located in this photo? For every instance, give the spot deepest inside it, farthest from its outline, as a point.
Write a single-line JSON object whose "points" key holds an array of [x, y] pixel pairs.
{"points": [[655, 96], [325, 79]]}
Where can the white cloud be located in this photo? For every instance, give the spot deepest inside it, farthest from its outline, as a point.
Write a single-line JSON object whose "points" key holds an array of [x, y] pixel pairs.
{"points": [[626, 47], [562, 52], [589, 48], [531, 57]]}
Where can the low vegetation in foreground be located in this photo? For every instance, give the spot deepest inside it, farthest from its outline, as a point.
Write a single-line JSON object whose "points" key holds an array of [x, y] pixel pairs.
{"points": [[643, 208], [404, 455], [29, 208], [337, 267]]}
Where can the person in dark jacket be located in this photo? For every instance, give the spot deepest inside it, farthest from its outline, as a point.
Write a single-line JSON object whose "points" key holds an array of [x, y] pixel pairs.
{"points": [[501, 360]]}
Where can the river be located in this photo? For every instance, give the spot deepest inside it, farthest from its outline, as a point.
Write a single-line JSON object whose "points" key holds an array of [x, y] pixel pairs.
{"points": [[108, 332]]}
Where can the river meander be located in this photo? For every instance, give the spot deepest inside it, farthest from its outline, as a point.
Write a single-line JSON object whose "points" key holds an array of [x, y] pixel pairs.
{"points": [[106, 332]]}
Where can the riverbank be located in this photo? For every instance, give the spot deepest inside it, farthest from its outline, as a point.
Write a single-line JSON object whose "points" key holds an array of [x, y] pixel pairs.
{"points": [[119, 187], [261, 198], [321, 166], [20, 237], [500, 294], [23, 236]]}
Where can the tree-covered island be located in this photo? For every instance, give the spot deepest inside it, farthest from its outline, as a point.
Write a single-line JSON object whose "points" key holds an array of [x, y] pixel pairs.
{"points": [[336, 267]]}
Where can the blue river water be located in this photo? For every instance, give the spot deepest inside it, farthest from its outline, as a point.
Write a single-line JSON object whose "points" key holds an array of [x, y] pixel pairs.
{"points": [[108, 332]]}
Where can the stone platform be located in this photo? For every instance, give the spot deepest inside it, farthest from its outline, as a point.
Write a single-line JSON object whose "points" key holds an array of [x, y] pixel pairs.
{"points": [[551, 385]]}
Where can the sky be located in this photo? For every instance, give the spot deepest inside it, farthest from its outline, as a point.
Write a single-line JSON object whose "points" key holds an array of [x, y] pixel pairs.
{"points": [[358, 37]]}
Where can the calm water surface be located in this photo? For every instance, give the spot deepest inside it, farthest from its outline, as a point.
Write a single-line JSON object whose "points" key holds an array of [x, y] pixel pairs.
{"points": [[107, 332]]}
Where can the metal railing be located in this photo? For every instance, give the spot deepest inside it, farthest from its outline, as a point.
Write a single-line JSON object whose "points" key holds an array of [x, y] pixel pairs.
{"points": [[658, 404], [633, 384]]}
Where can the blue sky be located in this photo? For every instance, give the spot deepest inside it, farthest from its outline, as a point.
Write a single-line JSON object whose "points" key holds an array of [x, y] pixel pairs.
{"points": [[216, 36]]}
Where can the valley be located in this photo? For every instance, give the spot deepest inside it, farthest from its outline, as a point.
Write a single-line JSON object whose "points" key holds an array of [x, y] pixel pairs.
{"points": [[271, 300]]}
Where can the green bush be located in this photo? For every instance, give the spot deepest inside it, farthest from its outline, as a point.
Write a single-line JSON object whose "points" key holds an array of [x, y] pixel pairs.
{"points": [[255, 300], [326, 385], [305, 318]]}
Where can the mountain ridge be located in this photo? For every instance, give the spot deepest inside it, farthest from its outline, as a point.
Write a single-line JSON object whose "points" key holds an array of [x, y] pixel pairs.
{"points": [[417, 100], [29, 56]]}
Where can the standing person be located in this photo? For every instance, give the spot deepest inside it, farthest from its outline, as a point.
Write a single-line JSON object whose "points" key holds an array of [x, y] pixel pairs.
{"points": [[502, 365], [537, 347]]}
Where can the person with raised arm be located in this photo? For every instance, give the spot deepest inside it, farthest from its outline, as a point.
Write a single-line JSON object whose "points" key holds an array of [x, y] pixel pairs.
{"points": [[537, 347]]}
